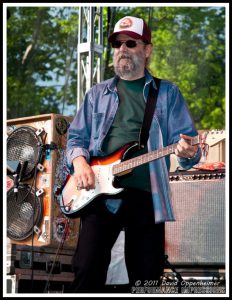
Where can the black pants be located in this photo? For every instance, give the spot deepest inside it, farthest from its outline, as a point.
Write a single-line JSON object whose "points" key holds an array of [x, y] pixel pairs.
{"points": [[144, 242]]}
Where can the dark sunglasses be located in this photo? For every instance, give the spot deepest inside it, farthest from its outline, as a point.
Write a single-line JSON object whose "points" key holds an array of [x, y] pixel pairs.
{"points": [[128, 43]]}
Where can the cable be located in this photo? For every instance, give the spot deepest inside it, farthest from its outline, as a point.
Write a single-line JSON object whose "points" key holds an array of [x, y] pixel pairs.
{"points": [[60, 247], [178, 276]]}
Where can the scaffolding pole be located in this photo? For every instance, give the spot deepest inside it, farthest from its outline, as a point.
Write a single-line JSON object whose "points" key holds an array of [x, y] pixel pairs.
{"points": [[89, 50]]}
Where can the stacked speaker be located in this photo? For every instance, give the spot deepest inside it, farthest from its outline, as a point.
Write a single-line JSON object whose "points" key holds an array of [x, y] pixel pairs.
{"points": [[36, 171]]}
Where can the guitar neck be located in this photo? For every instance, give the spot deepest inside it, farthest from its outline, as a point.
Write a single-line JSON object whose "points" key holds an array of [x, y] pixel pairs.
{"points": [[132, 163]]}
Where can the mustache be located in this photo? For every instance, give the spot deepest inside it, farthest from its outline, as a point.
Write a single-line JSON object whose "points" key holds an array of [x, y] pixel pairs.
{"points": [[123, 56]]}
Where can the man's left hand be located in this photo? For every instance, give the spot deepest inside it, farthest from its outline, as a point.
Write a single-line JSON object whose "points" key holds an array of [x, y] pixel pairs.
{"points": [[184, 147]]}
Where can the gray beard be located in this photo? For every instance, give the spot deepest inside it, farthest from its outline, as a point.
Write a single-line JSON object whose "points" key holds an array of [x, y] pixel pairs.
{"points": [[124, 72], [130, 69]]}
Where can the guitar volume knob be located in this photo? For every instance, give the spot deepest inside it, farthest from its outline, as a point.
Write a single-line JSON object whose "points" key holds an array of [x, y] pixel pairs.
{"points": [[67, 208]]}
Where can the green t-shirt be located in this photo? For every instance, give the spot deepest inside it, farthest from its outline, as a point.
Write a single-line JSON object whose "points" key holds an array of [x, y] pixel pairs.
{"points": [[126, 127]]}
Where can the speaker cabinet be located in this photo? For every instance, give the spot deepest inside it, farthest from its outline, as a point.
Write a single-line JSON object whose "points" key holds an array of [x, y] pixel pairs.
{"points": [[33, 213], [197, 237]]}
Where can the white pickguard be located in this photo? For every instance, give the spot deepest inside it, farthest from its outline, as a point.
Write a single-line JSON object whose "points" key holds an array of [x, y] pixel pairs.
{"points": [[103, 185]]}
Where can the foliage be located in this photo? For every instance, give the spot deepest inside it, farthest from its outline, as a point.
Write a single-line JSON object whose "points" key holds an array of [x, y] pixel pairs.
{"points": [[189, 49], [41, 65]]}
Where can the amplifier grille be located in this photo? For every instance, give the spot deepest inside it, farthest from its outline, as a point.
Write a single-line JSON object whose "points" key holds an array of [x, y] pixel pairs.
{"points": [[198, 234]]}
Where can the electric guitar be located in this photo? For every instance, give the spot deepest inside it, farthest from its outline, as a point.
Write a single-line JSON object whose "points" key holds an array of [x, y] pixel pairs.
{"points": [[107, 169]]}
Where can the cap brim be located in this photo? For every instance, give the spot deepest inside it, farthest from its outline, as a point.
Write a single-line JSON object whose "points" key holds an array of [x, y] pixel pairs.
{"points": [[134, 35]]}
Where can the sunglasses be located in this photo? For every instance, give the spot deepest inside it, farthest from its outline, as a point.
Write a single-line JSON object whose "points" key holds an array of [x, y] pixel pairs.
{"points": [[128, 43]]}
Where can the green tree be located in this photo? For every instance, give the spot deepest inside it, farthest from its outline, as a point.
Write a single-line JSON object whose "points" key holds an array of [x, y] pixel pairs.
{"points": [[189, 49], [41, 64]]}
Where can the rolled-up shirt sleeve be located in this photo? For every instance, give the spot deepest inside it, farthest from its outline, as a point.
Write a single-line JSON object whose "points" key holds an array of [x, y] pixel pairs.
{"points": [[188, 163], [180, 121], [79, 133], [73, 153]]}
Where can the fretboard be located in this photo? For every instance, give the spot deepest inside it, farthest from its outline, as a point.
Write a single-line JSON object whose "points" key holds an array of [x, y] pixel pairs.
{"points": [[148, 157]]}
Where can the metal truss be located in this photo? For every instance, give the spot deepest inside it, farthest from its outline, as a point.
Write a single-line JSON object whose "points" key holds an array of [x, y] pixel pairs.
{"points": [[89, 50]]}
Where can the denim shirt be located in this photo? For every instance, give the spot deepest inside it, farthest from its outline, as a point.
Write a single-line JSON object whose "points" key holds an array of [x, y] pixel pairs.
{"points": [[172, 117]]}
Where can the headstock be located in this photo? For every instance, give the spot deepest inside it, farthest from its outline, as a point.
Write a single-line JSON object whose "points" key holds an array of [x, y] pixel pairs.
{"points": [[212, 137]]}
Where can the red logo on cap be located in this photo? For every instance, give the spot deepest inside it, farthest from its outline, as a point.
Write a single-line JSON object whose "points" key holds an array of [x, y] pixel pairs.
{"points": [[125, 23]]}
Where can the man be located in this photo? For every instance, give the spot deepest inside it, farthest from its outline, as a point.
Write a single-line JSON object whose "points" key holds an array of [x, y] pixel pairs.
{"points": [[111, 116]]}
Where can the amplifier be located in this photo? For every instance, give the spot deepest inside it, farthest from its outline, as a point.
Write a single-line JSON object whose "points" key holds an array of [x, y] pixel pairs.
{"points": [[197, 237]]}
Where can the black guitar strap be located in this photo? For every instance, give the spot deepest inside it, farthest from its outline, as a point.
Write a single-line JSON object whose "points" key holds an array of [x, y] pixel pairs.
{"points": [[149, 112]]}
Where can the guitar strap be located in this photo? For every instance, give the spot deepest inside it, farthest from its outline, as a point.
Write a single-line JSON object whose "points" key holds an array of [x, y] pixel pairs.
{"points": [[149, 112]]}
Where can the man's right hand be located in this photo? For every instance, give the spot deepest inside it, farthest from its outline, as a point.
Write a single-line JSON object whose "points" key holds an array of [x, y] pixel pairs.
{"points": [[83, 174]]}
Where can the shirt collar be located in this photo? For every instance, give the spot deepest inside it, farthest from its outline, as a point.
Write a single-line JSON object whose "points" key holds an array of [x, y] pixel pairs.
{"points": [[111, 86]]}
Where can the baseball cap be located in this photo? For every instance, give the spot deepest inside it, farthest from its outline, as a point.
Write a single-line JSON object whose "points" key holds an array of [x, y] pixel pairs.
{"points": [[132, 26]]}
